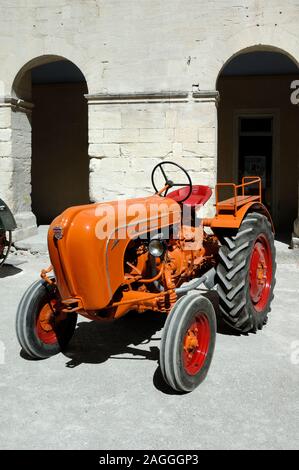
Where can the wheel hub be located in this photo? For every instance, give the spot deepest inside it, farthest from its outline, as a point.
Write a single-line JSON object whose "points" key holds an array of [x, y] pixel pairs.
{"points": [[45, 324], [196, 344], [191, 341], [260, 273]]}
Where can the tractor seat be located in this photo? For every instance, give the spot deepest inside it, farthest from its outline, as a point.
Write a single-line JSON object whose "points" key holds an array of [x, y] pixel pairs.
{"points": [[199, 196]]}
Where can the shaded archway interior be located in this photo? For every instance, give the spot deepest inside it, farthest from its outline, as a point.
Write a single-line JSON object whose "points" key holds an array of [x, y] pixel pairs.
{"points": [[60, 165], [257, 128], [59, 134]]}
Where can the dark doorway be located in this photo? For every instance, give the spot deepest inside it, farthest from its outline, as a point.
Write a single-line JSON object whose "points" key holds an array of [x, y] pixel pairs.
{"points": [[60, 164], [257, 128], [255, 149]]}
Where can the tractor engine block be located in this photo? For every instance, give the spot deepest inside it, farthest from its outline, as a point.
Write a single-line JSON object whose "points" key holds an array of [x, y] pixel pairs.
{"points": [[190, 255]]}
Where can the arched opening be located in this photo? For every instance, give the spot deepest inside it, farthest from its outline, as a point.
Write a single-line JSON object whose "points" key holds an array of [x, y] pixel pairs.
{"points": [[257, 128], [56, 154]]}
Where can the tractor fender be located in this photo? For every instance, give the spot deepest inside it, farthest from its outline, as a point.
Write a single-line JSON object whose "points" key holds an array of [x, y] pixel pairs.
{"points": [[7, 221], [225, 221], [256, 207]]}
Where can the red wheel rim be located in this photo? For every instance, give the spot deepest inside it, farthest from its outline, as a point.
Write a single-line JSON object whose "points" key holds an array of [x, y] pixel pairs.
{"points": [[196, 344], [45, 324], [260, 273]]}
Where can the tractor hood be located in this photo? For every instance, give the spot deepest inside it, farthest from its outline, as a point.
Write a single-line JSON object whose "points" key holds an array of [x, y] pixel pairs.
{"points": [[87, 244]]}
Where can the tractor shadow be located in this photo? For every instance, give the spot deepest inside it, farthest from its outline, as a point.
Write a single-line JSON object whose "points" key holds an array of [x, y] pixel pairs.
{"points": [[8, 270], [96, 342], [129, 338]]}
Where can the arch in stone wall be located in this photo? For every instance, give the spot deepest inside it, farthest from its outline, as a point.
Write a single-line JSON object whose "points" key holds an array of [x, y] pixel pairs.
{"points": [[49, 153], [262, 93], [36, 62], [254, 38]]}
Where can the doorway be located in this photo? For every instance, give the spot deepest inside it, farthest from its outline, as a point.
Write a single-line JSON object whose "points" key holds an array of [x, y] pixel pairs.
{"points": [[257, 128], [50, 139], [60, 164], [255, 152]]}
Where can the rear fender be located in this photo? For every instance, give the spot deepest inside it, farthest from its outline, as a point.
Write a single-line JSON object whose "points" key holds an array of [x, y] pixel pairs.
{"points": [[234, 221]]}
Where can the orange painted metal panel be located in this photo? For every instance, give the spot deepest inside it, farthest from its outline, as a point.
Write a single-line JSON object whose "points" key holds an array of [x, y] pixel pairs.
{"points": [[234, 221], [91, 268]]}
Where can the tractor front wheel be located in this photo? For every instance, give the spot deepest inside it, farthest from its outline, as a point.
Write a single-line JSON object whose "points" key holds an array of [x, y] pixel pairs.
{"points": [[187, 343], [246, 273], [42, 328]]}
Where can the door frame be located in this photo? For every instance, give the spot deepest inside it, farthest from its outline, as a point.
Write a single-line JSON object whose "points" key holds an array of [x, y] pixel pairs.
{"points": [[273, 113]]}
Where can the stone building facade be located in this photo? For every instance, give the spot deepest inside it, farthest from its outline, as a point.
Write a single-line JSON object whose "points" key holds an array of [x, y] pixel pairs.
{"points": [[150, 70]]}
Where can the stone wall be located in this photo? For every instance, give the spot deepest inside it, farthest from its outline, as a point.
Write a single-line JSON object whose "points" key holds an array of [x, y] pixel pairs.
{"points": [[127, 48], [127, 140], [6, 163], [21, 170]]}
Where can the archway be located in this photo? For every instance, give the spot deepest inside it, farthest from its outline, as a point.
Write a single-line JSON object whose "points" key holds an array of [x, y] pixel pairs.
{"points": [[257, 127], [58, 124]]}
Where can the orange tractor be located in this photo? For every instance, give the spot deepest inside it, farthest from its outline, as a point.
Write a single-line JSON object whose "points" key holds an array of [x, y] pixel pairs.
{"points": [[156, 253]]}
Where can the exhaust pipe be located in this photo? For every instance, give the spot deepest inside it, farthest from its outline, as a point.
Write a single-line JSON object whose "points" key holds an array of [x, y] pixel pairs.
{"points": [[208, 279]]}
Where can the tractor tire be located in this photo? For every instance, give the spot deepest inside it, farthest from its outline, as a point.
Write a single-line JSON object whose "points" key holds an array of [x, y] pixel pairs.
{"points": [[43, 332], [188, 342], [246, 273]]}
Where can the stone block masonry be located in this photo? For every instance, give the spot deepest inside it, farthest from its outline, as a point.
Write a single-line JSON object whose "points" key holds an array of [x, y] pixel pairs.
{"points": [[127, 139], [132, 53]]}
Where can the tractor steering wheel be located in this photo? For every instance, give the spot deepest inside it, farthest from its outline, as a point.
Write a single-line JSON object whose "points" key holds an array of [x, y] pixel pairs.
{"points": [[168, 182]]}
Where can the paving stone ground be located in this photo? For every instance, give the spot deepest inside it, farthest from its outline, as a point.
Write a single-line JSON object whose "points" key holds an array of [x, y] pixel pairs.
{"points": [[106, 391]]}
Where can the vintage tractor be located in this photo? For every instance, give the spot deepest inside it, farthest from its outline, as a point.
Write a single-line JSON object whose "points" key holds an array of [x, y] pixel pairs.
{"points": [[7, 225], [156, 253]]}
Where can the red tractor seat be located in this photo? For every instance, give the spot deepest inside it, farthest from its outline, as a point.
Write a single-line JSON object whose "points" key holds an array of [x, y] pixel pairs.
{"points": [[199, 195]]}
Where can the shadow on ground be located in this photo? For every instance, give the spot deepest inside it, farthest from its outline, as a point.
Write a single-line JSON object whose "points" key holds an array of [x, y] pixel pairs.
{"points": [[8, 270], [96, 342]]}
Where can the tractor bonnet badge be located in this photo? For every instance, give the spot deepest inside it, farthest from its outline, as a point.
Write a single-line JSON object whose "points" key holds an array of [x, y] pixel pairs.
{"points": [[58, 232]]}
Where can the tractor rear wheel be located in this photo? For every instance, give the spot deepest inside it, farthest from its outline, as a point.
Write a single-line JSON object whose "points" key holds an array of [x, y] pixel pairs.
{"points": [[187, 343], [246, 273], [42, 328]]}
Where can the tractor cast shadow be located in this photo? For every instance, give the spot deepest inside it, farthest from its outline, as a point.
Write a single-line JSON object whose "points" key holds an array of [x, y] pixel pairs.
{"points": [[8, 270], [96, 342]]}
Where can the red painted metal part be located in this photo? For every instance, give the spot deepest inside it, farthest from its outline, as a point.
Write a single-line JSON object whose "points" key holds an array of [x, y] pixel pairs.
{"points": [[260, 273], [199, 196], [45, 324], [196, 344]]}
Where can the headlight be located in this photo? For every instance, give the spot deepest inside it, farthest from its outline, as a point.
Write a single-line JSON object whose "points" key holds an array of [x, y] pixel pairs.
{"points": [[157, 247]]}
